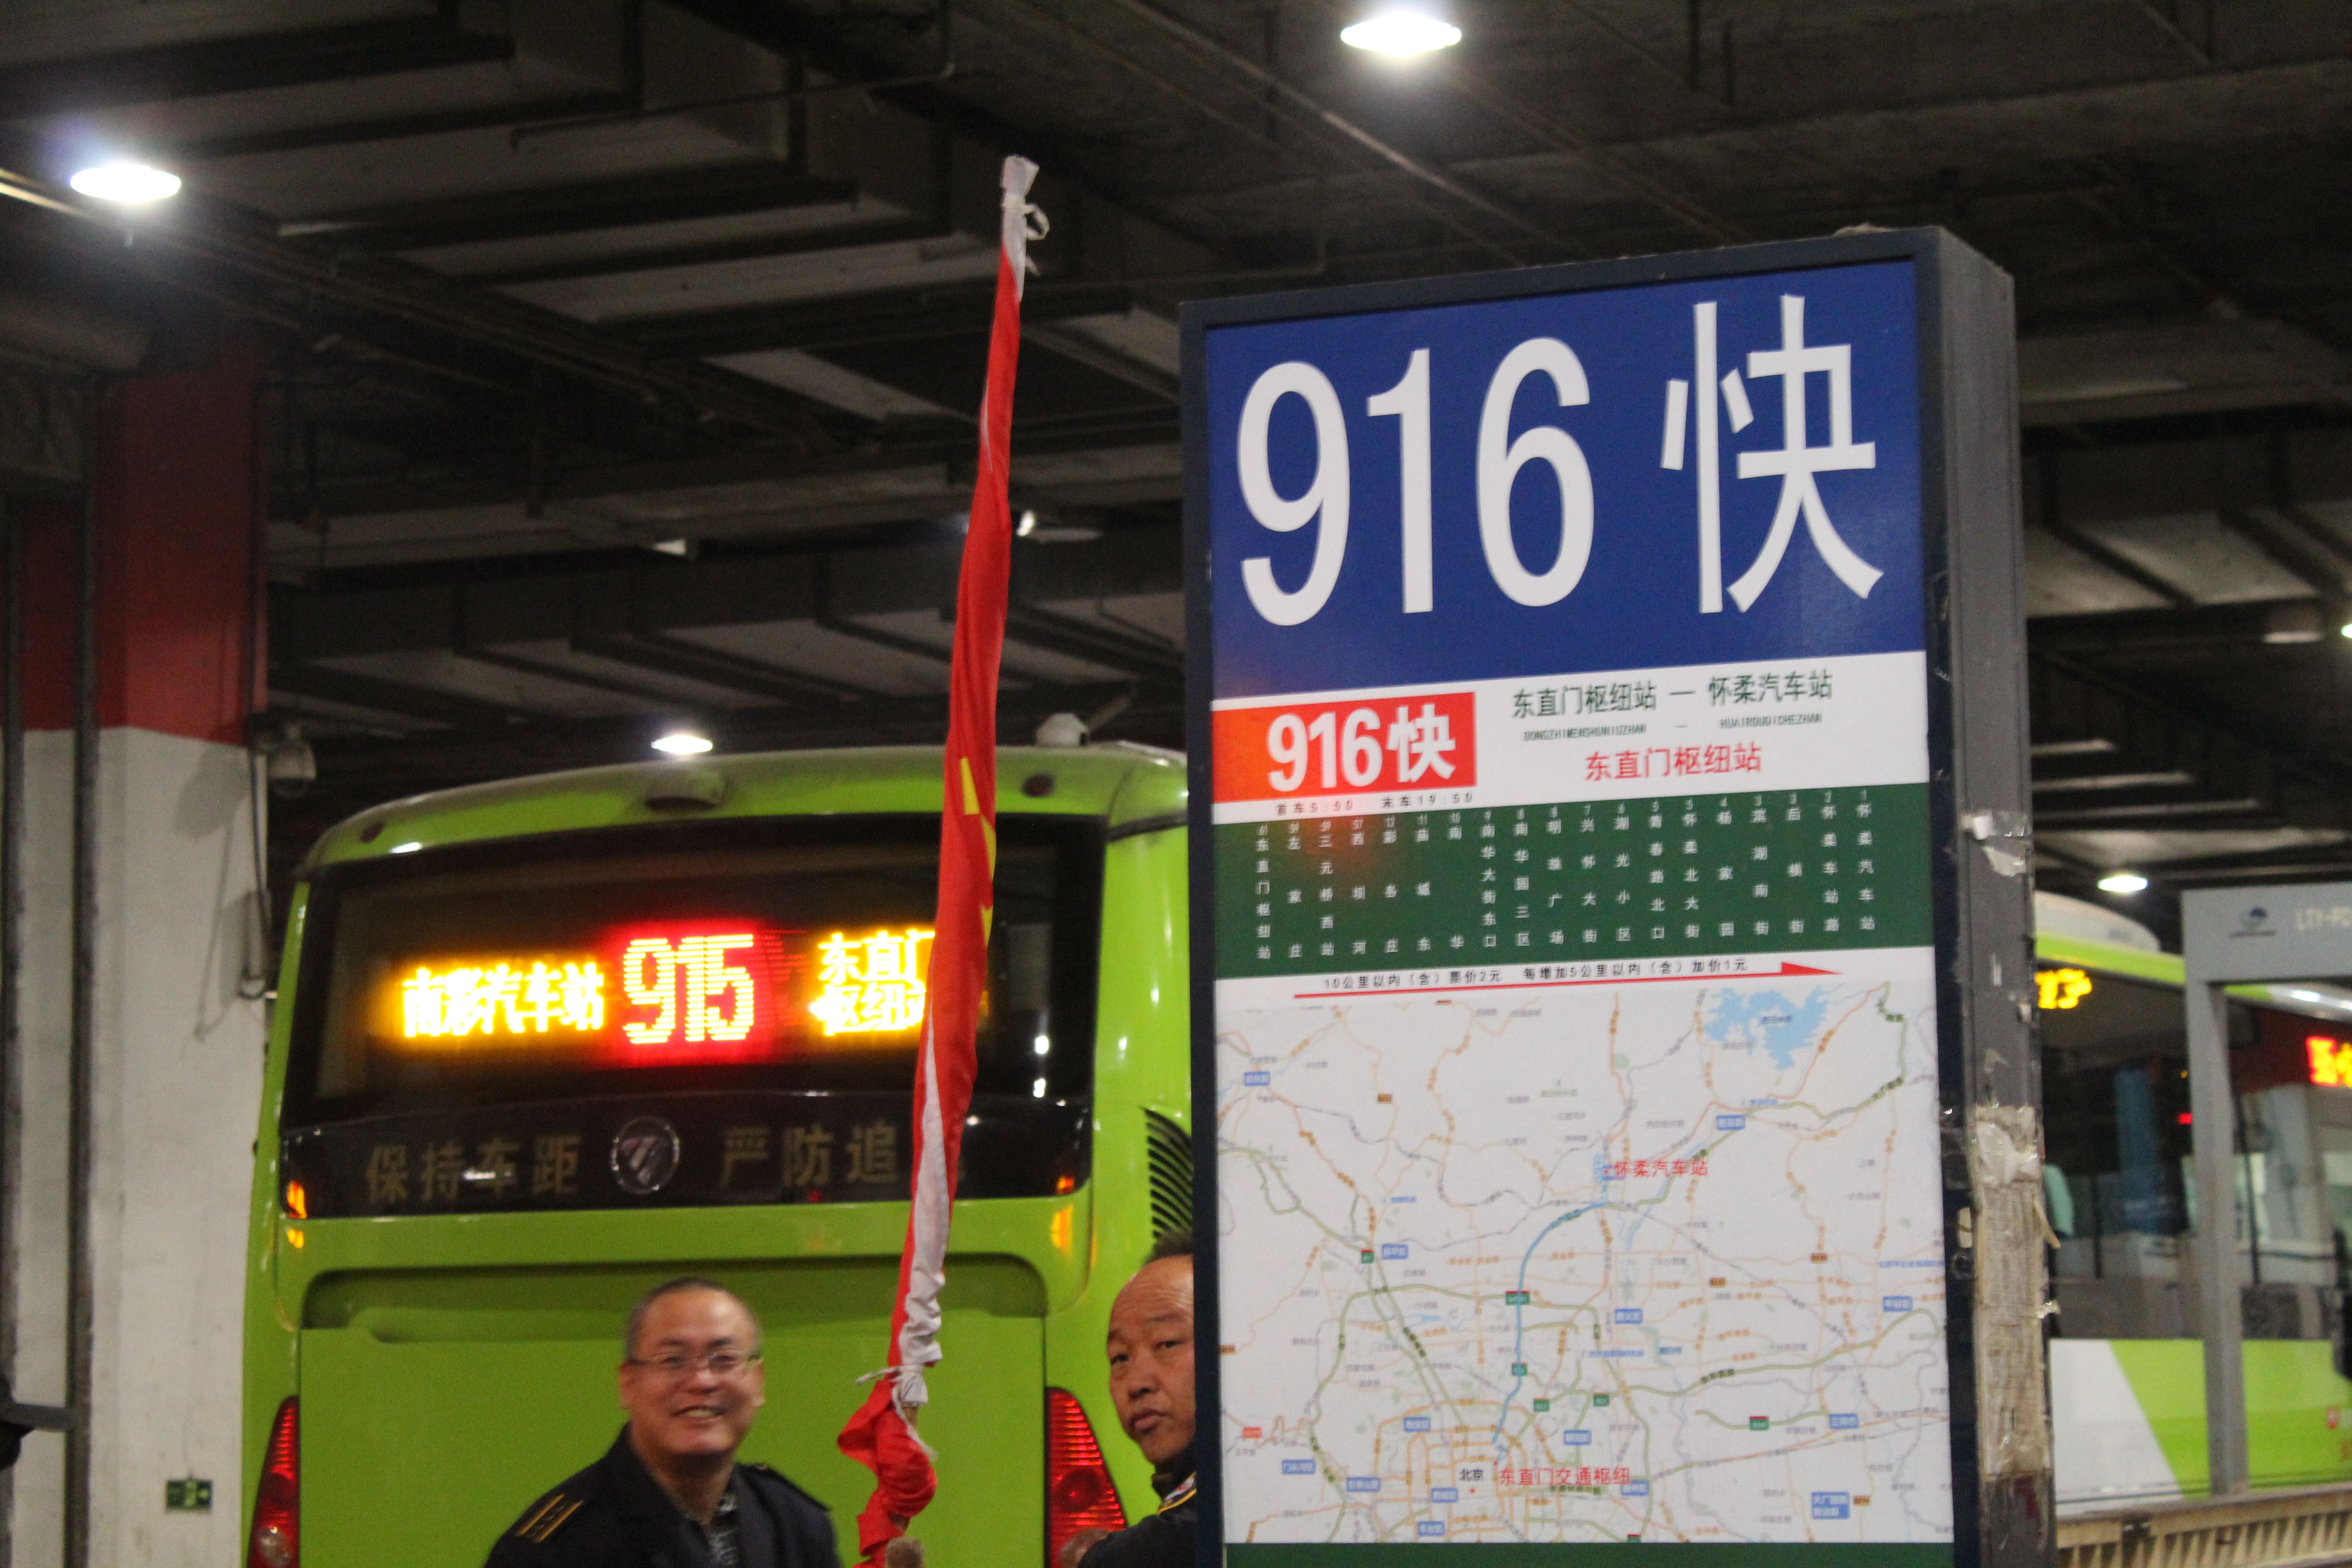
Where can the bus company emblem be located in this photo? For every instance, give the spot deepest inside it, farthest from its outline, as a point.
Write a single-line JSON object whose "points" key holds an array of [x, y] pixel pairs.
{"points": [[645, 1155]]}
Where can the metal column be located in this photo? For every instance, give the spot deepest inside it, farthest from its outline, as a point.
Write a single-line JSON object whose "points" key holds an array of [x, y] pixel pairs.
{"points": [[2214, 1248], [12, 948], [79, 1260]]}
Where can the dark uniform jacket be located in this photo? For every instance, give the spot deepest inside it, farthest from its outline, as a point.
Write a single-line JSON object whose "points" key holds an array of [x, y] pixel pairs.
{"points": [[614, 1515], [1164, 1540]]}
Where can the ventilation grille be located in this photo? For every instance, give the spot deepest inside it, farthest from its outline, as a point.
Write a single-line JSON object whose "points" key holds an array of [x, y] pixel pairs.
{"points": [[1168, 1149]]}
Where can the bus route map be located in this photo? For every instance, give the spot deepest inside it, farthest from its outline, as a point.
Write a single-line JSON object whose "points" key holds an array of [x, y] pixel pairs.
{"points": [[1578, 1174]]}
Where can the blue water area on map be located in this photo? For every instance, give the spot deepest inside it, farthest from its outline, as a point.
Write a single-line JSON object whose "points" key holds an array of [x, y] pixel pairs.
{"points": [[1393, 1249], [1895, 1303], [1833, 1505], [1298, 1467], [1416, 1423], [1364, 1483], [1769, 1019], [1844, 1422], [1432, 1527], [1444, 1494]]}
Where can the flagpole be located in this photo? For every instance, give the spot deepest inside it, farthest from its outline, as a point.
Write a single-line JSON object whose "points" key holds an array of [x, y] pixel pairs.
{"points": [[881, 1435]]}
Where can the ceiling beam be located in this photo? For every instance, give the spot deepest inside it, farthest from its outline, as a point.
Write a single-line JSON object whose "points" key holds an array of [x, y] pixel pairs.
{"points": [[208, 148], [705, 253], [2248, 624], [408, 296], [2236, 775], [357, 771], [898, 316], [621, 201], [250, 63]]}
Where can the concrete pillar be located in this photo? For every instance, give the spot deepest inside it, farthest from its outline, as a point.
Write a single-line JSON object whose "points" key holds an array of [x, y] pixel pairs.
{"points": [[178, 1028]]}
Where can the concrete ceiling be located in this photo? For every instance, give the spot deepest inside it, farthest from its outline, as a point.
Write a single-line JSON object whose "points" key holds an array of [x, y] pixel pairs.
{"points": [[637, 340]]}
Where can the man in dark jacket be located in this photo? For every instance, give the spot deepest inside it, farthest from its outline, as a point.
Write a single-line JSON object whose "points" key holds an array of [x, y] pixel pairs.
{"points": [[1150, 1350], [669, 1493]]}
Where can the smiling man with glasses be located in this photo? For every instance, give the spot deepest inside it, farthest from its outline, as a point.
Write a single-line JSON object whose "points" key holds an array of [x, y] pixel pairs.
{"points": [[669, 1493]]}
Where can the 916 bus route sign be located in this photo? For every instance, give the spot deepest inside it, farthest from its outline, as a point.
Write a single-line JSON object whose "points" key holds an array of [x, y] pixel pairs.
{"points": [[1566, 921]]}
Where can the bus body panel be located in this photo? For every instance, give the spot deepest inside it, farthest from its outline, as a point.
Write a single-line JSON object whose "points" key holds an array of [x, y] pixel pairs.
{"points": [[2129, 1418], [492, 1392], [1142, 1056], [2128, 1415], [453, 1367]]}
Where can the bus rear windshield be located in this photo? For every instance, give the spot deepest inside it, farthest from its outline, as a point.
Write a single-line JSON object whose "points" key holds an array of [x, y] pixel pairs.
{"points": [[748, 989]]}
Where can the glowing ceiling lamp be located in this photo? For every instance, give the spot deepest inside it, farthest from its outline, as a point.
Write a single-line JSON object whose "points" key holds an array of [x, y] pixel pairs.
{"points": [[2123, 882], [683, 744], [1398, 29], [126, 179]]}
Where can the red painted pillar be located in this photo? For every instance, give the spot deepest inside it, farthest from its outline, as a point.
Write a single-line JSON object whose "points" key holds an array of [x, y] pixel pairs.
{"points": [[175, 1041]]}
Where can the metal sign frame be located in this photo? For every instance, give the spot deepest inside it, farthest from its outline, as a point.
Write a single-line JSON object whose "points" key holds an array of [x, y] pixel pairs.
{"points": [[1976, 703]]}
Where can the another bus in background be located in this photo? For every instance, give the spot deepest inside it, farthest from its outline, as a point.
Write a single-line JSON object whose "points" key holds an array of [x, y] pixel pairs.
{"points": [[2126, 1367]]}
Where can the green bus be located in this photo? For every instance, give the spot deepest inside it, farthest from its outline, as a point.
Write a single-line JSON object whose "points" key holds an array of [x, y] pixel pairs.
{"points": [[540, 1045], [2126, 1369]]}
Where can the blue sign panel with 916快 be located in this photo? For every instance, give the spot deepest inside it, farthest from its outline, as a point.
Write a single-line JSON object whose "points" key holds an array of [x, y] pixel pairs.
{"points": [[1606, 689], [1677, 474]]}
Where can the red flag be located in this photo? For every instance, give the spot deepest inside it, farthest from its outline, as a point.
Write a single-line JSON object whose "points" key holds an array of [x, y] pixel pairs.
{"points": [[881, 1435]]}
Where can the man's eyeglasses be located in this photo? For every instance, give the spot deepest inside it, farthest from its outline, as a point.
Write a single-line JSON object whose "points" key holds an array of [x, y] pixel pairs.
{"points": [[677, 1363]]}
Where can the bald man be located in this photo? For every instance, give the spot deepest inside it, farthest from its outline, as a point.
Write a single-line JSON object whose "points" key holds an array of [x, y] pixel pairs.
{"points": [[669, 1493], [1150, 1351]]}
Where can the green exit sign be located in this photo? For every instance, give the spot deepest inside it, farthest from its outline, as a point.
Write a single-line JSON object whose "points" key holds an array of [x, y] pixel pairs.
{"points": [[189, 1496]]}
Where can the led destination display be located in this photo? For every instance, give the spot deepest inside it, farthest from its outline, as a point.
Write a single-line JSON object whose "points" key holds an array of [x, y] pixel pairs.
{"points": [[672, 992]]}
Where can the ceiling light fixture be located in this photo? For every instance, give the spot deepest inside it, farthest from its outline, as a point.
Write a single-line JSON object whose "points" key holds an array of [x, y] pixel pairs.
{"points": [[124, 180], [683, 744], [1026, 525], [1393, 29], [2123, 882]]}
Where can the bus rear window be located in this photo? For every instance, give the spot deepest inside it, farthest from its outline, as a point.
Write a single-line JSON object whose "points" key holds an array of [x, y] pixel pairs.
{"points": [[679, 974]]}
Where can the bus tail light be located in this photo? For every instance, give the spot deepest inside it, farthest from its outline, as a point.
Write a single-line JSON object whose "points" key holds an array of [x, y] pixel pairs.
{"points": [[1078, 1491], [276, 1540]]}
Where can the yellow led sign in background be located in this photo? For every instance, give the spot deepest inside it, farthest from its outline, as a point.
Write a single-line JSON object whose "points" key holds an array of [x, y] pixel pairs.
{"points": [[508, 999], [871, 986], [2063, 989]]}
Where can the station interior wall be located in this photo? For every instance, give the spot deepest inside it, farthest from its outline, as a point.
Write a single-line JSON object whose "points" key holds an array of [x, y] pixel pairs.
{"points": [[178, 1023]]}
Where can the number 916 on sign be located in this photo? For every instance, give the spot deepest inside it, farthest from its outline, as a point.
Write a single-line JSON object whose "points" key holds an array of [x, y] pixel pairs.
{"points": [[1295, 750]]}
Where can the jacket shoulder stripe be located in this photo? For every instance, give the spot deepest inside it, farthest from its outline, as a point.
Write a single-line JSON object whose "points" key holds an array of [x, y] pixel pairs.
{"points": [[522, 1526], [555, 1522]]}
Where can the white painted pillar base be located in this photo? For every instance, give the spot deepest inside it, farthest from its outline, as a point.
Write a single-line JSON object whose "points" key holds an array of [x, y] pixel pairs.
{"points": [[178, 1083]]}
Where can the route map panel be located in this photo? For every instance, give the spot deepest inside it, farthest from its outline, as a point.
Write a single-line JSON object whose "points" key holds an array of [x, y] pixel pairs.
{"points": [[1575, 1052]]}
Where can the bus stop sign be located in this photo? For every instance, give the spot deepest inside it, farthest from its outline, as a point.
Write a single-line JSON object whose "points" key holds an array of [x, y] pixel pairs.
{"points": [[1613, 1064]]}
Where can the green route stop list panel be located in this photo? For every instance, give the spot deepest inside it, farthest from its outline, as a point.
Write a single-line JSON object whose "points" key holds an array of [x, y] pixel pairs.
{"points": [[1572, 918], [1665, 877]]}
